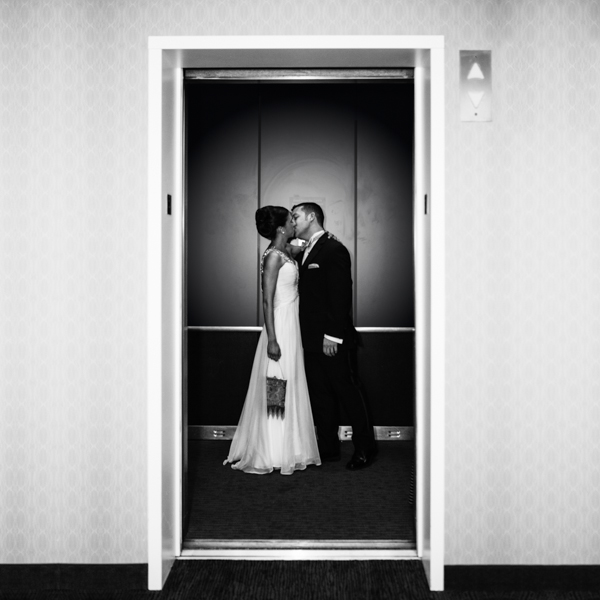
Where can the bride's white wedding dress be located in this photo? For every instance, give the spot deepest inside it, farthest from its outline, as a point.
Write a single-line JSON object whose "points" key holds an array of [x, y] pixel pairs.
{"points": [[263, 442]]}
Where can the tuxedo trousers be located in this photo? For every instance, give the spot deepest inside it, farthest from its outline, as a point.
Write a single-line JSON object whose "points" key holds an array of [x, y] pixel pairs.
{"points": [[332, 383]]}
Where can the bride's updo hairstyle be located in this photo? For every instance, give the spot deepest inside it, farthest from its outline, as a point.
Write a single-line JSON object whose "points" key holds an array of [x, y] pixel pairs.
{"points": [[269, 218]]}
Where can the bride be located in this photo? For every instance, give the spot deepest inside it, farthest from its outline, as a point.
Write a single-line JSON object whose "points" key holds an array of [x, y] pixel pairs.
{"points": [[268, 439]]}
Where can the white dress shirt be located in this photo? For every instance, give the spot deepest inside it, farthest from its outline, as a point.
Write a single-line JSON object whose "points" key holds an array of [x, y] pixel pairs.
{"points": [[313, 240]]}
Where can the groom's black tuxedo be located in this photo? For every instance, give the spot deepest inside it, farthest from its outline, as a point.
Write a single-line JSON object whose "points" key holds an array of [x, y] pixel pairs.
{"points": [[326, 294], [325, 289]]}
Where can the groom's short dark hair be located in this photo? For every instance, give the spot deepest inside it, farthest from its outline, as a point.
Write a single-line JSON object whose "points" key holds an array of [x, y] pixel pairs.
{"points": [[311, 207]]}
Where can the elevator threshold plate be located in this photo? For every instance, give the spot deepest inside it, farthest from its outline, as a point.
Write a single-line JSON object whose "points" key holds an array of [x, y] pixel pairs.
{"points": [[298, 550], [299, 545]]}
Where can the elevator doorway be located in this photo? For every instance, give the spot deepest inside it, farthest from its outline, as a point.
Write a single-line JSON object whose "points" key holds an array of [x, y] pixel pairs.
{"points": [[348, 145], [168, 56]]}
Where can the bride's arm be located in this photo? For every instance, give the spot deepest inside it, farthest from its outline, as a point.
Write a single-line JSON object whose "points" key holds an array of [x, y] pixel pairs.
{"points": [[271, 267]]}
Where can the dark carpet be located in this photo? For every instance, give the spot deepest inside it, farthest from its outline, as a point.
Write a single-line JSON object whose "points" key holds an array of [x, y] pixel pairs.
{"points": [[323, 503], [290, 580]]}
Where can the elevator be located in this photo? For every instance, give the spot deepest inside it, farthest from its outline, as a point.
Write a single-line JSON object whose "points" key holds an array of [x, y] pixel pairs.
{"points": [[168, 58], [344, 140]]}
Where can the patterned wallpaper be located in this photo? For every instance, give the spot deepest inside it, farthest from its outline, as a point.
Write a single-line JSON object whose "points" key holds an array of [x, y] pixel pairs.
{"points": [[523, 268]]}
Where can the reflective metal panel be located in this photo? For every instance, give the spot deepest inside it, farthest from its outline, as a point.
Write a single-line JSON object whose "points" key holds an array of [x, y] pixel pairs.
{"points": [[307, 154], [385, 246], [222, 197]]}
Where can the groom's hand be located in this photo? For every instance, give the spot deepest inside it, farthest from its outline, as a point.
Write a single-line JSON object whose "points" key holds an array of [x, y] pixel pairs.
{"points": [[329, 347]]}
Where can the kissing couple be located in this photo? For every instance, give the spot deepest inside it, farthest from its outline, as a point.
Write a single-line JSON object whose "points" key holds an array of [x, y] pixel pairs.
{"points": [[307, 340]]}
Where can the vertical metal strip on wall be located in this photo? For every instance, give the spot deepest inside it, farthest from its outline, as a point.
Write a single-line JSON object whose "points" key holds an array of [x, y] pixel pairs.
{"points": [[355, 261], [258, 203]]}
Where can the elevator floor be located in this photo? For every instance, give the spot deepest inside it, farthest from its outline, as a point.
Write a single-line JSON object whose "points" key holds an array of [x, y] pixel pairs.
{"points": [[321, 503]]}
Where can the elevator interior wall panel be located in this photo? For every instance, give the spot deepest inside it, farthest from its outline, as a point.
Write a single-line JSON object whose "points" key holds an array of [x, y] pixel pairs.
{"points": [[385, 243], [222, 137], [307, 151], [220, 366], [386, 370], [346, 146], [221, 363]]}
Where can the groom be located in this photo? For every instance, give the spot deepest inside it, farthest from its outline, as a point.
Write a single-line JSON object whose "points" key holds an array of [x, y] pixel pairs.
{"points": [[328, 338]]}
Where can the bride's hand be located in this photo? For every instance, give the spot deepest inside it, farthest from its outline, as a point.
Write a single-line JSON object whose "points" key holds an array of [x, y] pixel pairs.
{"points": [[294, 250], [273, 350]]}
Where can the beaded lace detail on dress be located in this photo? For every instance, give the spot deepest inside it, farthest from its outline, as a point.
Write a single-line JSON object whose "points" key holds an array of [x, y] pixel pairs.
{"points": [[282, 254], [288, 260], [285, 257]]}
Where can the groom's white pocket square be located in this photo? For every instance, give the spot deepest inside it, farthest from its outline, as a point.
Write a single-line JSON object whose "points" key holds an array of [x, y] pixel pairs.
{"points": [[313, 266]]}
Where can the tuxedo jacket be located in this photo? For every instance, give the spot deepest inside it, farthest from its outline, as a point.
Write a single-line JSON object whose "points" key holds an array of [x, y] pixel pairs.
{"points": [[325, 290]]}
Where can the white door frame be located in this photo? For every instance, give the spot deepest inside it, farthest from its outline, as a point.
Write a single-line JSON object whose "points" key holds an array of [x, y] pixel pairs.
{"points": [[168, 56]]}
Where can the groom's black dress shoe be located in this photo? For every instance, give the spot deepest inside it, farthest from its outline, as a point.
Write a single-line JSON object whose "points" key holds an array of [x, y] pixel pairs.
{"points": [[361, 460]]}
